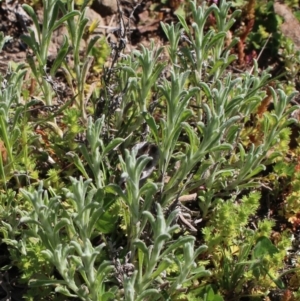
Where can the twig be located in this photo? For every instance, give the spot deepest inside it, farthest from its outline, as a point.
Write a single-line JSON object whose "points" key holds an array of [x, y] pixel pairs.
{"points": [[260, 53]]}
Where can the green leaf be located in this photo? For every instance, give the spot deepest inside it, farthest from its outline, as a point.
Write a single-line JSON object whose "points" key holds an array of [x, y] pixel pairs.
{"points": [[209, 294], [280, 284], [44, 282], [63, 51], [206, 90], [215, 39], [108, 296], [78, 163], [183, 23], [63, 290], [30, 11], [164, 264], [91, 44], [218, 298], [32, 43], [149, 294], [222, 147], [263, 247], [217, 65], [52, 11], [63, 19], [152, 125], [107, 222], [142, 246], [112, 145], [87, 156], [27, 219], [193, 137], [256, 171], [80, 32], [177, 244], [242, 152], [64, 222]]}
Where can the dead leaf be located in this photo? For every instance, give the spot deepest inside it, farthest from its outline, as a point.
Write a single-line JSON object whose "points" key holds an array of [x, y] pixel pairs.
{"points": [[3, 152], [265, 103]]}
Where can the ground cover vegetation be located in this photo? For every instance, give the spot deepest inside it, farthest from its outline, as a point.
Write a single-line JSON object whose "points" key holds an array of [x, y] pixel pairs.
{"points": [[174, 175]]}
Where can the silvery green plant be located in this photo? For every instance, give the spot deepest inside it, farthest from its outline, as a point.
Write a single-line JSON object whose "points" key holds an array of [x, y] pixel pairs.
{"points": [[96, 153], [77, 27], [73, 251], [39, 41], [133, 168], [66, 236], [203, 111], [150, 262], [136, 88], [10, 124], [209, 106], [154, 260], [9, 220], [66, 232], [206, 53]]}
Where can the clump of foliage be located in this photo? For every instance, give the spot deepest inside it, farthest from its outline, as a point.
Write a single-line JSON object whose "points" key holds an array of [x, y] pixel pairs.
{"points": [[92, 205], [259, 29]]}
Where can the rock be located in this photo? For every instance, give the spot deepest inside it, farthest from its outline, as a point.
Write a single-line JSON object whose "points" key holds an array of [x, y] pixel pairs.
{"points": [[291, 26]]}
